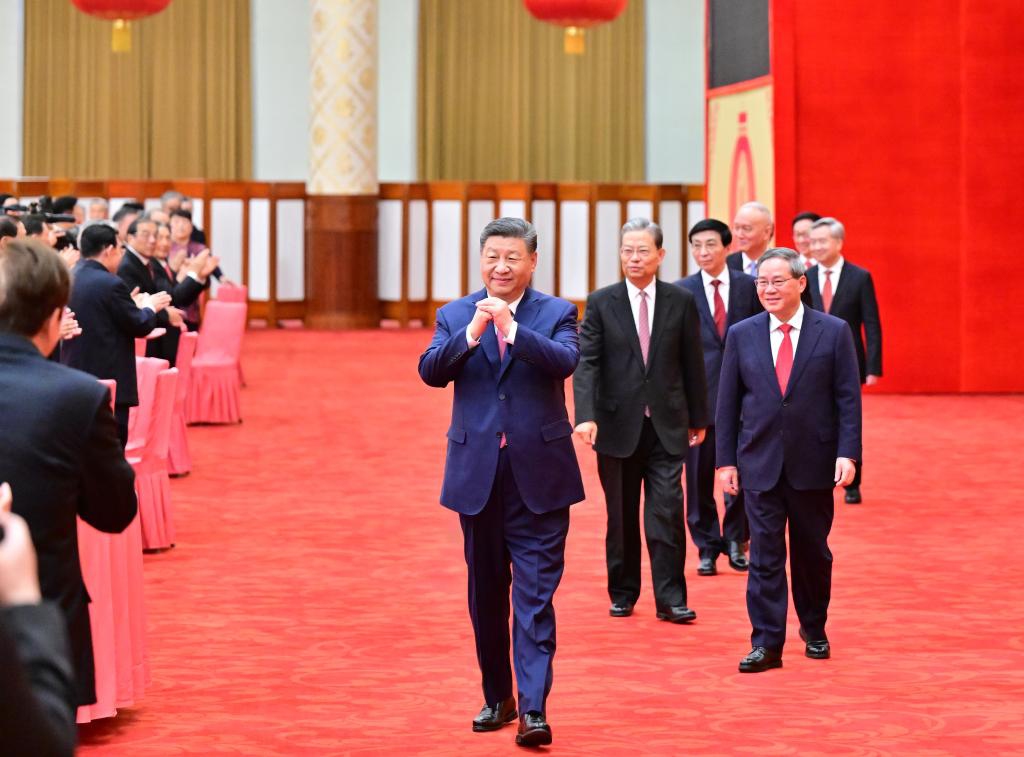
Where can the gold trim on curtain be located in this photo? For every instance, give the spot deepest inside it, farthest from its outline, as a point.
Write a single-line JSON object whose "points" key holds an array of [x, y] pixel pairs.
{"points": [[499, 100], [179, 105]]}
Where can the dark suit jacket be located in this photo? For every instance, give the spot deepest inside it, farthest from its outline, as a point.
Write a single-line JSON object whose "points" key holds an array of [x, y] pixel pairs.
{"points": [[110, 324], [62, 456], [183, 293], [801, 431], [742, 304], [854, 301], [522, 396], [612, 386], [37, 684]]}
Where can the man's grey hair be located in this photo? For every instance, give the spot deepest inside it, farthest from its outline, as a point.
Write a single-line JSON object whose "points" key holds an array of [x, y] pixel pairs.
{"points": [[514, 228], [835, 229], [643, 224], [99, 201], [169, 195], [759, 207], [796, 266]]}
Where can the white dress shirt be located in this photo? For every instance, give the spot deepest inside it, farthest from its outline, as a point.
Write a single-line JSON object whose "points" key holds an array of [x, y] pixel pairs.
{"points": [[797, 322], [709, 289], [837, 270], [747, 263], [511, 337], [634, 303]]}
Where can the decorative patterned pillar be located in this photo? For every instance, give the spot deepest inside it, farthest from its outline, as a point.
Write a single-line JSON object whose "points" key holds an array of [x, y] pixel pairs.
{"points": [[341, 209]]}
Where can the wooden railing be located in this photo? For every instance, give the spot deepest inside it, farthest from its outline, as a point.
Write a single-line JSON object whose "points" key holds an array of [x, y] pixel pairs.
{"points": [[427, 231]]}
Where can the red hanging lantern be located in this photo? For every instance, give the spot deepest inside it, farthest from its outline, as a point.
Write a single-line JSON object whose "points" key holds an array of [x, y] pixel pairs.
{"points": [[122, 13], [576, 16]]}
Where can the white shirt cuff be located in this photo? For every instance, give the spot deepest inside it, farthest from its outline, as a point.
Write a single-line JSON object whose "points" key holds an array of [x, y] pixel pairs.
{"points": [[470, 340], [193, 275], [511, 338]]}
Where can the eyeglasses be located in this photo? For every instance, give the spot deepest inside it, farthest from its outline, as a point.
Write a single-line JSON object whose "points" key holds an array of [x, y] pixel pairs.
{"points": [[775, 283], [642, 252]]}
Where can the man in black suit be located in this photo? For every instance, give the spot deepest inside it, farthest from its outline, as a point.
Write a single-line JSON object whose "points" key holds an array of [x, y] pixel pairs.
{"points": [[137, 271], [109, 318], [59, 448], [724, 297], [789, 431], [37, 707], [846, 291], [641, 401]]}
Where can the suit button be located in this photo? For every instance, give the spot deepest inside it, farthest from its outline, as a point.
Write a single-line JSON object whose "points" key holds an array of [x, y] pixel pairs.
{"points": [[501, 396]]}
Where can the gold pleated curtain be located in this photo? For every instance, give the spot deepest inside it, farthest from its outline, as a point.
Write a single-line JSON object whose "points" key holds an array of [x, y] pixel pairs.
{"points": [[177, 106], [499, 100]]}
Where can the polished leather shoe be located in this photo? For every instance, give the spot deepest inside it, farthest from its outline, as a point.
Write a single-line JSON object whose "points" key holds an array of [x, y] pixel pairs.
{"points": [[493, 717], [816, 650], [676, 614], [533, 730], [618, 610], [737, 557], [707, 567], [853, 496], [760, 659]]}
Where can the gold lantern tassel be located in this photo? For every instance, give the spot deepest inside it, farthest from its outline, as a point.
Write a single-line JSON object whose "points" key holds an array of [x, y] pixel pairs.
{"points": [[121, 37], [575, 42]]}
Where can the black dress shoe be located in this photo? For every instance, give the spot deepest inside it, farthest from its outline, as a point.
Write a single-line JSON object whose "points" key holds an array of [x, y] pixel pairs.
{"points": [[707, 567], [737, 557], [533, 730], [618, 610], [816, 650], [677, 614], [853, 495], [759, 660], [493, 717]]}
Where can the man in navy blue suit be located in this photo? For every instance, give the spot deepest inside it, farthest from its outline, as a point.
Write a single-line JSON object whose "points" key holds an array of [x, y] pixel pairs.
{"points": [[724, 297], [511, 471], [791, 375]]}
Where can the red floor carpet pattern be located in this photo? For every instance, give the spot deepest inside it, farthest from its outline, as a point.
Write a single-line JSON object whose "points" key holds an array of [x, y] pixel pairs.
{"points": [[315, 602]]}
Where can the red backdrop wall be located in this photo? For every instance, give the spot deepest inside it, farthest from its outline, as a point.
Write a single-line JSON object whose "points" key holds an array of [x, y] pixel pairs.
{"points": [[906, 122]]}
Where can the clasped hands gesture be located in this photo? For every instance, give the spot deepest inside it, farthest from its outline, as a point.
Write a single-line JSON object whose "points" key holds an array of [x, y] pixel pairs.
{"points": [[488, 310]]}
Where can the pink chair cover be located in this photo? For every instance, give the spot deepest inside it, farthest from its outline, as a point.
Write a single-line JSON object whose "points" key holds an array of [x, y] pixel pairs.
{"points": [[179, 461], [146, 371], [152, 485], [213, 395], [112, 569], [235, 293]]}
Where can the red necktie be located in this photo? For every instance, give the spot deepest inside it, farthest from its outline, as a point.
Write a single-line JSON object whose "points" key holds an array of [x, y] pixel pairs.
{"points": [[719, 309], [826, 293], [784, 360]]}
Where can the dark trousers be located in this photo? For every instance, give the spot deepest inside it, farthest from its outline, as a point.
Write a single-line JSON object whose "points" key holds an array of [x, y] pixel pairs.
{"points": [[701, 508], [809, 514], [121, 416], [661, 475], [507, 545]]}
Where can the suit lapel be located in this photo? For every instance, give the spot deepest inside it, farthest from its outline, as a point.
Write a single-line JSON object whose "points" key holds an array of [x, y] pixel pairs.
{"points": [[764, 353], [662, 308], [843, 286], [812, 284], [525, 315], [624, 314], [809, 336], [703, 310]]}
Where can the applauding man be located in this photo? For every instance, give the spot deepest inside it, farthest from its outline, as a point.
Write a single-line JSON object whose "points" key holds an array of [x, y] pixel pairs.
{"points": [[511, 471]]}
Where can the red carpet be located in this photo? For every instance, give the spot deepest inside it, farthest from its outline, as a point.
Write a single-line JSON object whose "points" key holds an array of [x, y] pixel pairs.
{"points": [[315, 603]]}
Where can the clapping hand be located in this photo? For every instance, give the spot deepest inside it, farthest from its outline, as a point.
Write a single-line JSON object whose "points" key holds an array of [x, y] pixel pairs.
{"points": [[499, 312], [19, 579], [175, 317], [69, 327]]}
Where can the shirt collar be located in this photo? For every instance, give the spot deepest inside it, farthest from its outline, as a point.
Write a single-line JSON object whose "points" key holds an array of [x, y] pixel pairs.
{"points": [[708, 278], [797, 321], [141, 259], [835, 269], [634, 290]]}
